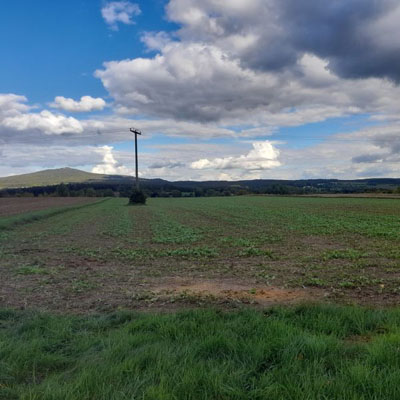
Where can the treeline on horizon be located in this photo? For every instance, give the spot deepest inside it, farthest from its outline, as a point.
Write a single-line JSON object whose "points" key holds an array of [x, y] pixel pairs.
{"points": [[208, 189]]}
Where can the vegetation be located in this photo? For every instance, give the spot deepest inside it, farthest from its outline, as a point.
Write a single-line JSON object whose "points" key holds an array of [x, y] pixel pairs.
{"points": [[137, 197], [25, 218], [48, 177], [72, 182], [305, 352], [343, 249], [225, 259]]}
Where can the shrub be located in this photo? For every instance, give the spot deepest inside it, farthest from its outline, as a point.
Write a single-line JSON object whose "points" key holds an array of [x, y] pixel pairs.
{"points": [[137, 197]]}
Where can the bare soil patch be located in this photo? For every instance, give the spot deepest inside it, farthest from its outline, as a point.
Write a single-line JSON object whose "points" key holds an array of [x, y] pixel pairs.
{"points": [[228, 289], [19, 205]]}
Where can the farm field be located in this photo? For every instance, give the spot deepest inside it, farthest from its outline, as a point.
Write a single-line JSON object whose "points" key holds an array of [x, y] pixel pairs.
{"points": [[12, 206], [187, 252], [201, 298]]}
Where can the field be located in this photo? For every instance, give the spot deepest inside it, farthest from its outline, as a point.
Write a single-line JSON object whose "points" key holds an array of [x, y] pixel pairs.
{"points": [[234, 250], [23, 205], [237, 294]]}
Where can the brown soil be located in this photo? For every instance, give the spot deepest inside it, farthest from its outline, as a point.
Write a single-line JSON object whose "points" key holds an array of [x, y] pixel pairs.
{"points": [[229, 289], [19, 205]]}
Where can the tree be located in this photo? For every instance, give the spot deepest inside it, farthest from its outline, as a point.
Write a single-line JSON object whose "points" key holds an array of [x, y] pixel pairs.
{"points": [[62, 190], [137, 197], [108, 193], [90, 192]]}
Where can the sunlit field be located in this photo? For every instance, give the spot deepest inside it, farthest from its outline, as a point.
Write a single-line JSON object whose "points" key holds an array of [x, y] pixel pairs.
{"points": [[108, 255], [201, 298]]}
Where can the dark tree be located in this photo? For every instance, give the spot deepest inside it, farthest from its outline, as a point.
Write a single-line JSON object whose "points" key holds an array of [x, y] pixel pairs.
{"points": [[137, 197]]}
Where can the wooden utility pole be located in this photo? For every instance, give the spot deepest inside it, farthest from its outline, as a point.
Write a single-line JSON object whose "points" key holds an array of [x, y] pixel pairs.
{"points": [[136, 132]]}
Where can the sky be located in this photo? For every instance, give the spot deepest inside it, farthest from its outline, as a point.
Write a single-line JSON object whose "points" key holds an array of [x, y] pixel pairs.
{"points": [[221, 90]]}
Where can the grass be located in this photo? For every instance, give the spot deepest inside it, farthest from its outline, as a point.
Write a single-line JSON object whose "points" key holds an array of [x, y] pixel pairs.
{"points": [[306, 352], [31, 270]]}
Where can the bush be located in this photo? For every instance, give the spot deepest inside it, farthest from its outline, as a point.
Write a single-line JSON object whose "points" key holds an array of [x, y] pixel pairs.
{"points": [[137, 197]]}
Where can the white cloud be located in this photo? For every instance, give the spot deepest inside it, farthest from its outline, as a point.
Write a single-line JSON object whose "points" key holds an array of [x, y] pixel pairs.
{"points": [[45, 121], [263, 156], [197, 82], [85, 104], [12, 104], [109, 165], [15, 115], [119, 12]]}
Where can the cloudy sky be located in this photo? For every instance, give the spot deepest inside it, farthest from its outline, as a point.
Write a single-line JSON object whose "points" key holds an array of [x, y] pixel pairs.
{"points": [[222, 89]]}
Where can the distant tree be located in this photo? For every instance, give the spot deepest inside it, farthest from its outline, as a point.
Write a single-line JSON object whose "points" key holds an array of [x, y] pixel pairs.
{"points": [[176, 193], [137, 197], [108, 193], [199, 192], [90, 192], [62, 190]]}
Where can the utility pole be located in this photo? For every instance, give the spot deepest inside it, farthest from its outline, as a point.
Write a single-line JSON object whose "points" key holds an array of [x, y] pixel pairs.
{"points": [[136, 132]]}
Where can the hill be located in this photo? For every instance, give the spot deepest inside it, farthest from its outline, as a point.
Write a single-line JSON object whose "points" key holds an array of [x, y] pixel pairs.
{"points": [[49, 177], [47, 180]]}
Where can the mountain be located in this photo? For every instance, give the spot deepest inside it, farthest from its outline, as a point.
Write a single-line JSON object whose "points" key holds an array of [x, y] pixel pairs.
{"points": [[81, 179], [49, 177]]}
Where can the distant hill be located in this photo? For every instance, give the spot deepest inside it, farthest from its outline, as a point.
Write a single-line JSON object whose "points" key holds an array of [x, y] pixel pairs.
{"points": [[78, 179], [49, 177]]}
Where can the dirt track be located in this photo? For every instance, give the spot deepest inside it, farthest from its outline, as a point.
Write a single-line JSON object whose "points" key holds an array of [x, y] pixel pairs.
{"points": [[19, 205]]}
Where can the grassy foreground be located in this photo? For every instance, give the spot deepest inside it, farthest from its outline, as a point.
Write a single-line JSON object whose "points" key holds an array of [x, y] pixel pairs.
{"points": [[306, 352]]}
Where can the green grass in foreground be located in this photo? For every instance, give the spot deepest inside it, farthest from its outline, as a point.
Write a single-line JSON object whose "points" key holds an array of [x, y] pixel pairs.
{"points": [[307, 352]]}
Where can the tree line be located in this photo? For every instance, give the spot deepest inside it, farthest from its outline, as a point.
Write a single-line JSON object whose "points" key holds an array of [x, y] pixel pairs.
{"points": [[106, 189]]}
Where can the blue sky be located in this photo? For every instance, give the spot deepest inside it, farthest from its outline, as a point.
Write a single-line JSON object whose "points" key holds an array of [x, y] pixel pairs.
{"points": [[222, 90], [54, 47]]}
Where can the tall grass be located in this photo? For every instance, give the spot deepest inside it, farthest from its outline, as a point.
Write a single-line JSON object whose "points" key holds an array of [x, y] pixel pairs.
{"points": [[306, 352]]}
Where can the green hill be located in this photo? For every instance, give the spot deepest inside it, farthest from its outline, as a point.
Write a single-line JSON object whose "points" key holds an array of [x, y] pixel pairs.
{"points": [[49, 177]]}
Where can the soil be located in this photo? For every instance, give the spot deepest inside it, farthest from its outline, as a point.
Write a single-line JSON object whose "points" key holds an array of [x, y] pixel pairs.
{"points": [[76, 268], [236, 290]]}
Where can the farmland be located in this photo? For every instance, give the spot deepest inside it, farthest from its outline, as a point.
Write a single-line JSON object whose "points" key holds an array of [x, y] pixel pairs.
{"points": [[229, 251], [200, 298]]}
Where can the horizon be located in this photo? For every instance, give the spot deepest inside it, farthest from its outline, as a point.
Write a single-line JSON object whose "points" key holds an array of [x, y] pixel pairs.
{"points": [[191, 180], [243, 90]]}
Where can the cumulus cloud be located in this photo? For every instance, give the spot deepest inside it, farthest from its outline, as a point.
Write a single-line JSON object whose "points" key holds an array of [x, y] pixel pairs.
{"points": [[45, 121], [263, 156], [196, 81], [85, 104], [12, 104], [109, 165], [357, 37], [16, 115], [119, 12]]}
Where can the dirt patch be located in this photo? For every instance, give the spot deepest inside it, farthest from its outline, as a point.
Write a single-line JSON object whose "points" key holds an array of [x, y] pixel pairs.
{"points": [[233, 290], [18, 205]]}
